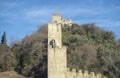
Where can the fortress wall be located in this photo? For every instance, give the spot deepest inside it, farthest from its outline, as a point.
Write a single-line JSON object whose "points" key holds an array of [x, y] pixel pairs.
{"points": [[68, 22], [82, 74]]}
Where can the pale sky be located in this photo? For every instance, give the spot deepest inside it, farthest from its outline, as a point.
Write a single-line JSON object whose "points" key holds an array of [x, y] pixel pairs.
{"points": [[20, 18]]}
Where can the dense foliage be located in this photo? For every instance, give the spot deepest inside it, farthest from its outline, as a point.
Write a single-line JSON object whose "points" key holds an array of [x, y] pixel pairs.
{"points": [[91, 48], [88, 48]]}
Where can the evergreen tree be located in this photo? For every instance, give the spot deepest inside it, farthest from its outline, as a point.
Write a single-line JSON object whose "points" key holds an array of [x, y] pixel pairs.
{"points": [[4, 38], [7, 58]]}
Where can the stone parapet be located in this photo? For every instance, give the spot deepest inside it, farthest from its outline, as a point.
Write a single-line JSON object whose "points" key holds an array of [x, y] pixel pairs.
{"points": [[82, 74]]}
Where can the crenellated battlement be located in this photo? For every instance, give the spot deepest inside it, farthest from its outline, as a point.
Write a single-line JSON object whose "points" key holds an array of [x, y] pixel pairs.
{"points": [[82, 74]]}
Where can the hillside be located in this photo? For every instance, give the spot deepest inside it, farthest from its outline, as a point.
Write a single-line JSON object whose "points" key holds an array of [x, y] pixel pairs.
{"points": [[10, 75], [88, 48]]}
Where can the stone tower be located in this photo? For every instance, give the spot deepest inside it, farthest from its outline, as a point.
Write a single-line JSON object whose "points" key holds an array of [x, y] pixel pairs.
{"points": [[57, 56], [56, 52], [54, 30]]}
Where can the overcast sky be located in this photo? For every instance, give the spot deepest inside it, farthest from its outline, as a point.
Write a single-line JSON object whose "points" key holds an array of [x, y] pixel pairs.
{"points": [[23, 17]]}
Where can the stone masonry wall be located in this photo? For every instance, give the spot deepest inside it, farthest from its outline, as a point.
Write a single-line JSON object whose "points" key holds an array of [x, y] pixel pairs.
{"points": [[57, 62]]}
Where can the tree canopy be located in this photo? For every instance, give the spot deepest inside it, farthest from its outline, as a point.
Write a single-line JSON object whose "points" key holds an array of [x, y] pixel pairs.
{"points": [[88, 48]]}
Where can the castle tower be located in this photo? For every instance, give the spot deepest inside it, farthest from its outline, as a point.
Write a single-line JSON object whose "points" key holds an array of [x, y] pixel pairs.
{"points": [[57, 56], [56, 52]]}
